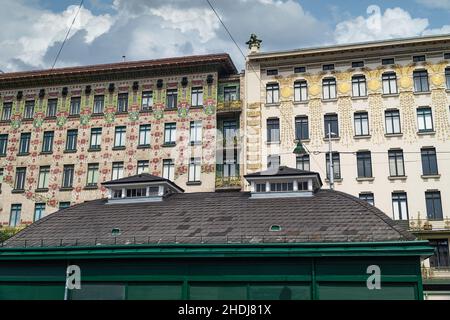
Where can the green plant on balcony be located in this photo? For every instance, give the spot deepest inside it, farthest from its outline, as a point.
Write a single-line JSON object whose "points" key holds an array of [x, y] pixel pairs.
{"points": [[8, 232]]}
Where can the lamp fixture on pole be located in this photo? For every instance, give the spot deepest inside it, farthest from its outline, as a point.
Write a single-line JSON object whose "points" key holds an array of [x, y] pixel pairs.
{"points": [[299, 149]]}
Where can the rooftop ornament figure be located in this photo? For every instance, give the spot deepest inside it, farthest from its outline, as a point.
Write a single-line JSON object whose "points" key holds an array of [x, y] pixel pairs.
{"points": [[254, 43]]}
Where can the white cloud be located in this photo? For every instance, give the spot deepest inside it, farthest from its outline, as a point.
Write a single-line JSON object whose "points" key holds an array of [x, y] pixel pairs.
{"points": [[435, 4]]}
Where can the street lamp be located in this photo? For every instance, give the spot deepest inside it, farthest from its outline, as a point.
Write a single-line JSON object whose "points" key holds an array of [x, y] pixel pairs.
{"points": [[330, 157], [299, 149]]}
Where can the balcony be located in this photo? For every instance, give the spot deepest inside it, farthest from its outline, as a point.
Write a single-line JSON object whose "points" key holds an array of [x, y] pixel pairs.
{"points": [[228, 183], [436, 274], [229, 106], [425, 225]]}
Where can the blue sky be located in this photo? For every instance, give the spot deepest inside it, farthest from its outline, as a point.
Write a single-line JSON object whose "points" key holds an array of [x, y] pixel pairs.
{"points": [[147, 29]]}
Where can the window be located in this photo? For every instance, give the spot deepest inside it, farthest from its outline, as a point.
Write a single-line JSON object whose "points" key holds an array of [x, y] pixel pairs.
{"points": [[420, 58], [136, 192], [434, 205], [47, 142], [68, 171], [357, 64], [7, 111], [364, 163], [99, 104], [170, 131], [387, 61], [194, 169], [119, 137], [29, 110], [14, 218], [299, 69], [195, 132], [336, 165], [230, 93], [447, 55], [3, 144], [302, 162], [230, 167], [272, 93], [425, 119], [52, 105], [328, 67], [400, 206], [92, 174], [117, 170], [20, 178], [272, 72], [172, 95], [168, 169], [300, 90], [392, 118], [39, 211], [96, 139], [281, 186], [301, 128], [367, 196], [273, 162], [229, 133], [197, 96], [329, 88], [447, 77], [361, 124], [75, 106], [429, 161], [24, 145], [420, 81], [389, 80], [273, 130], [440, 258], [142, 166], [71, 142], [64, 205], [260, 187], [122, 102], [331, 122], [359, 86], [144, 135], [147, 100], [44, 175], [396, 163]]}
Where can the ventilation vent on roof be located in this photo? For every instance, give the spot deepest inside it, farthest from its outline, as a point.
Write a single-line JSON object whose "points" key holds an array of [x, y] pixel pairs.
{"points": [[115, 232], [275, 227]]}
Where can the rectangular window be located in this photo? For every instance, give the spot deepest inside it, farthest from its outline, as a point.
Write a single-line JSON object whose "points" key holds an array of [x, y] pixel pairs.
{"points": [[230, 168], [144, 135], [396, 163], [328, 67], [99, 104], [440, 258], [142, 166], [429, 161], [194, 169], [117, 170], [299, 69], [24, 145], [272, 72], [420, 58], [44, 176], [3, 144], [168, 169], [195, 133], [47, 142], [260, 187], [281, 186], [272, 93], [147, 100], [329, 88], [71, 142], [230, 93], [359, 86], [424, 119], [389, 80], [197, 96], [29, 110], [96, 139], [64, 205], [420, 81], [301, 128], [361, 124], [331, 122], [367, 196], [273, 161], [68, 172], [92, 174], [273, 130], [75, 106], [434, 205], [171, 97], [447, 77], [400, 206], [136, 193], [20, 178], [447, 55], [392, 118], [122, 102], [364, 163], [14, 218], [300, 91], [336, 165], [387, 61], [357, 64], [39, 211], [7, 111], [302, 162], [52, 106], [170, 131], [119, 137]]}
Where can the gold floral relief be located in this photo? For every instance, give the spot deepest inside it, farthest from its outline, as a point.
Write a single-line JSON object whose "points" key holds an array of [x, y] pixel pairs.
{"points": [[316, 116], [287, 134], [314, 90], [313, 85], [376, 116], [345, 115], [437, 80], [408, 116], [343, 88], [286, 93], [440, 111], [374, 85]]}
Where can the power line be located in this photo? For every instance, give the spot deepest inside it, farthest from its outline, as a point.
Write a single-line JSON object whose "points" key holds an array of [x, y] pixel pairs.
{"points": [[67, 34]]}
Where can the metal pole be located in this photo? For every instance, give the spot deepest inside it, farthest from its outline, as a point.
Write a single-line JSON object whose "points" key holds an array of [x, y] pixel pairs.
{"points": [[330, 155]]}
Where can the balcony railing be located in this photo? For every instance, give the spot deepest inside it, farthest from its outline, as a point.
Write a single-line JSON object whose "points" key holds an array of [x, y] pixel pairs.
{"points": [[229, 106], [231, 182], [436, 273], [424, 225]]}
